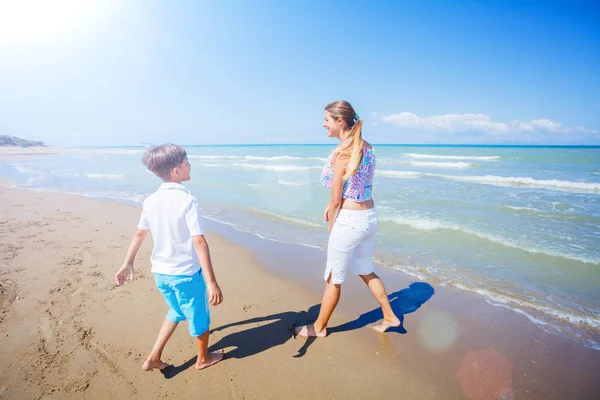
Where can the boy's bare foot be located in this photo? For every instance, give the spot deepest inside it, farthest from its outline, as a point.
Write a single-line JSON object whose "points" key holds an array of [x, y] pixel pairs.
{"points": [[149, 365], [211, 359], [309, 331], [385, 325]]}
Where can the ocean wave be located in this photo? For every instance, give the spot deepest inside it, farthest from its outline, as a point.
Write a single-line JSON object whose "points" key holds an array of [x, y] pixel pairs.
{"points": [[257, 234], [274, 167], [458, 164], [106, 176], [435, 156], [503, 300], [400, 174], [425, 224], [255, 158], [212, 165], [286, 183], [283, 218], [528, 209], [541, 315], [23, 167], [525, 181], [551, 184], [278, 158]]}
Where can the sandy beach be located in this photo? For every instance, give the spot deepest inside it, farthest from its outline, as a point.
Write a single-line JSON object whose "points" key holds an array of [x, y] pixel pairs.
{"points": [[68, 332]]}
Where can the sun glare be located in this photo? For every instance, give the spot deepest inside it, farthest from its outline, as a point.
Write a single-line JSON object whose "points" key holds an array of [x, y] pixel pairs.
{"points": [[33, 21]]}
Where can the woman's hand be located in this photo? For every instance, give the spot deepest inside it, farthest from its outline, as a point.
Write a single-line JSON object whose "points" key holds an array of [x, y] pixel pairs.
{"points": [[326, 214]]}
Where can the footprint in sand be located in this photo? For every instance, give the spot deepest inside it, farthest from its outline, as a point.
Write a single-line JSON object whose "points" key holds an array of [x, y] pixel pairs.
{"points": [[45, 328], [9, 251], [77, 385], [69, 261], [249, 307]]}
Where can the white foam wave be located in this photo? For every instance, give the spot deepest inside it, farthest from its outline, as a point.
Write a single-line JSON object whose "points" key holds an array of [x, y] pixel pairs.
{"points": [[431, 164], [527, 182], [274, 167], [535, 210], [215, 157], [212, 165], [104, 176], [259, 235], [400, 174], [551, 184], [436, 156], [23, 167], [278, 158], [284, 218], [500, 300], [286, 183], [255, 158], [425, 224]]}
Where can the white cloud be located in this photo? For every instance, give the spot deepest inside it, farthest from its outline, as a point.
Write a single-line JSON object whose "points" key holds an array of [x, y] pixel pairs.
{"points": [[480, 123]]}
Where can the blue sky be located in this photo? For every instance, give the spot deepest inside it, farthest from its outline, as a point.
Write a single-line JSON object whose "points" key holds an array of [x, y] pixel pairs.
{"points": [[205, 72]]}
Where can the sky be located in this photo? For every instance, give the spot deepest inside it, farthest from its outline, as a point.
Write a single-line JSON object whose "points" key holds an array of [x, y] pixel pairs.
{"points": [[132, 72]]}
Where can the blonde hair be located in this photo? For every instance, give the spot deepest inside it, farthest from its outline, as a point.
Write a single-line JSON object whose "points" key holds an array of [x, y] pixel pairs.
{"points": [[344, 110], [162, 159]]}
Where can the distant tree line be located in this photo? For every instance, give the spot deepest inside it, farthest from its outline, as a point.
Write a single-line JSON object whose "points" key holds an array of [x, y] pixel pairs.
{"points": [[6, 140]]}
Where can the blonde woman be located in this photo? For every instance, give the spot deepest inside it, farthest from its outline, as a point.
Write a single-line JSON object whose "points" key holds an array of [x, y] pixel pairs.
{"points": [[351, 216]]}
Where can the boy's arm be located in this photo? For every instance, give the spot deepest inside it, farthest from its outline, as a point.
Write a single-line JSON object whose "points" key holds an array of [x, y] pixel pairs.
{"points": [[215, 296], [126, 271]]}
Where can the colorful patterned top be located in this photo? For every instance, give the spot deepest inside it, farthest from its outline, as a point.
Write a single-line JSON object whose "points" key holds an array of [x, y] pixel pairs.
{"points": [[359, 187]]}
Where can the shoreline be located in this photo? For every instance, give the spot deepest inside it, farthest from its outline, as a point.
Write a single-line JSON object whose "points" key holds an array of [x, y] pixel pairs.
{"points": [[9, 153], [442, 336]]}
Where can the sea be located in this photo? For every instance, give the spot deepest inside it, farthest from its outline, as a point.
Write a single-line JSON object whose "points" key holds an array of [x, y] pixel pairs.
{"points": [[518, 226]]}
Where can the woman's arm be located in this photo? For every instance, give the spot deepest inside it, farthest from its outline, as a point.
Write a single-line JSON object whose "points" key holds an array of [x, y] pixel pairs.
{"points": [[339, 162]]}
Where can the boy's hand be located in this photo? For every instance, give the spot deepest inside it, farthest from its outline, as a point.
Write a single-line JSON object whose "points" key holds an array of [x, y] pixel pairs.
{"points": [[124, 274], [215, 297]]}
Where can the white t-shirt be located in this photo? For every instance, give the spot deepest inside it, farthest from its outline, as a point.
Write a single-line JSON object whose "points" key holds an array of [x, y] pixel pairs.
{"points": [[172, 214]]}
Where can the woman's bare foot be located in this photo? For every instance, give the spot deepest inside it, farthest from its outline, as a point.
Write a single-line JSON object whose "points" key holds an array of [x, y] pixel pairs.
{"points": [[149, 365], [211, 359], [309, 331], [385, 325]]}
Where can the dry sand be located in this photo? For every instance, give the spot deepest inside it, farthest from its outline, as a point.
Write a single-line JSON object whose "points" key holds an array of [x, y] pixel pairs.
{"points": [[68, 332]]}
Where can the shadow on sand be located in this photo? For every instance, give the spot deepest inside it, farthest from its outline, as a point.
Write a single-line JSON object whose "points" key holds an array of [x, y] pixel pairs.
{"points": [[276, 329]]}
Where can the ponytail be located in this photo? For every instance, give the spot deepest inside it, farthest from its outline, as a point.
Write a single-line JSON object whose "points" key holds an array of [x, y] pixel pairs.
{"points": [[355, 147]]}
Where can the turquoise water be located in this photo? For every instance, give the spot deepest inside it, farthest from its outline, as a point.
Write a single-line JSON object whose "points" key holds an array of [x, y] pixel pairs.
{"points": [[519, 226]]}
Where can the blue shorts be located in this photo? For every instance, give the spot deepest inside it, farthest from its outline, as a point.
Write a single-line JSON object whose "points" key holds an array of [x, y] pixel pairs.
{"points": [[186, 297]]}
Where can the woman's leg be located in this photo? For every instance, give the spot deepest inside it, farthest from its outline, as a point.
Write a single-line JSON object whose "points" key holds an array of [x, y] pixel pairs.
{"points": [[340, 249], [376, 287], [331, 297], [363, 266]]}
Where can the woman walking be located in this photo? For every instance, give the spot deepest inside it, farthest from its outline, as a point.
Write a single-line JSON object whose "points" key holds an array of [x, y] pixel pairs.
{"points": [[351, 216]]}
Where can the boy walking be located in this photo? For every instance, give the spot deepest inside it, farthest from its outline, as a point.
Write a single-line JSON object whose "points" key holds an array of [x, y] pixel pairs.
{"points": [[179, 256]]}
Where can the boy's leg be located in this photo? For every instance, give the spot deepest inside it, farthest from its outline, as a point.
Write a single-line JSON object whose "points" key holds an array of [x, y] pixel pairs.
{"points": [[206, 359], [153, 360]]}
